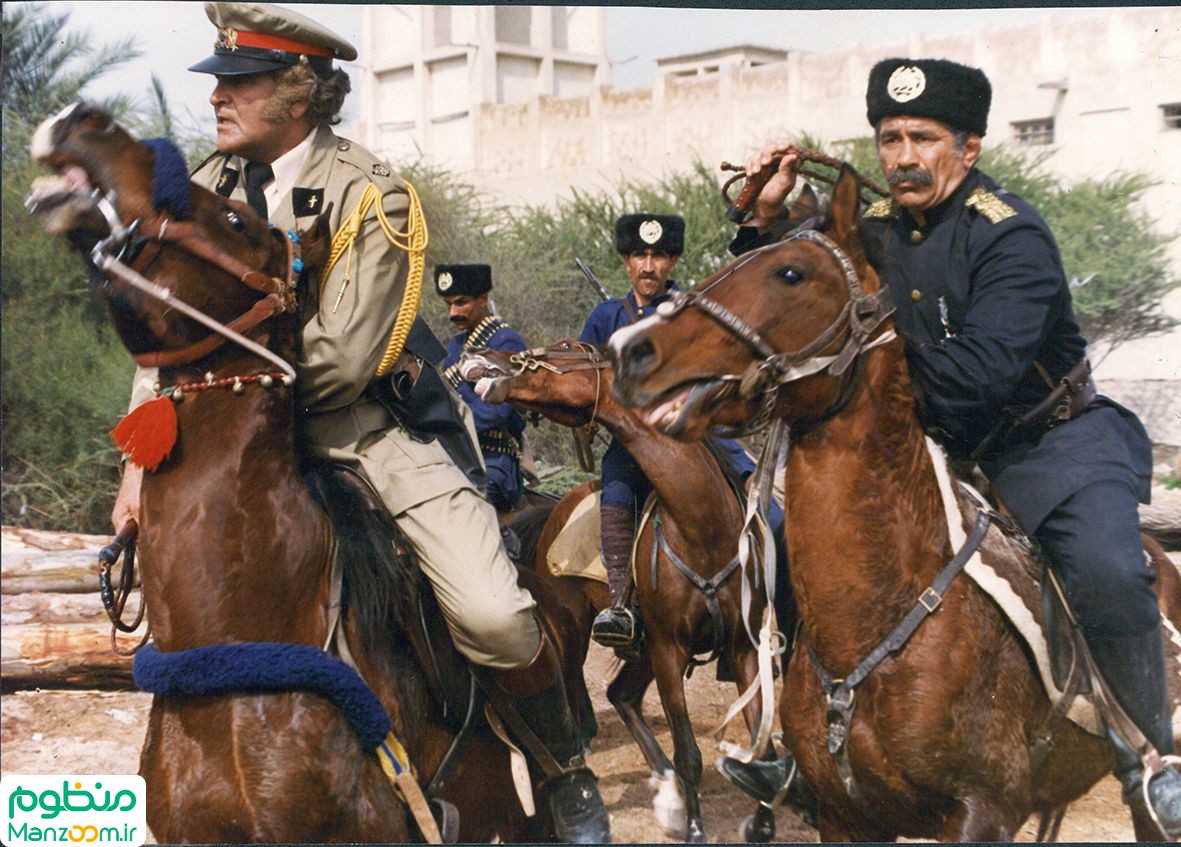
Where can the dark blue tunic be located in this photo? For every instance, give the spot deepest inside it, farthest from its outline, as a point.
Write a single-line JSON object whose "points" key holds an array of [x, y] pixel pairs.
{"points": [[624, 483], [981, 295], [494, 422]]}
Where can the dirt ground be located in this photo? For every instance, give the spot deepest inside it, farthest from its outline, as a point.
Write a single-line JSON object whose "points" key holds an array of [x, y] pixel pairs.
{"points": [[102, 731]]}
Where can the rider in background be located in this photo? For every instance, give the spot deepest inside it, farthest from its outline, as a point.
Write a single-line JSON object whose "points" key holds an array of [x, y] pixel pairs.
{"points": [[276, 96], [650, 247], [499, 427], [985, 309]]}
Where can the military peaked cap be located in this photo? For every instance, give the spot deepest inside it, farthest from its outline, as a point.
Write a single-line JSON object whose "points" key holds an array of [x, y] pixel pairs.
{"points": [[257, 37], [929, 88], [637, 233], [466, 280]]}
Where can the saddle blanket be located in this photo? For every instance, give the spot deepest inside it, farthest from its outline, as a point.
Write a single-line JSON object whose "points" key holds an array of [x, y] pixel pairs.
{"points": [[1005, 570], [575, 552]]}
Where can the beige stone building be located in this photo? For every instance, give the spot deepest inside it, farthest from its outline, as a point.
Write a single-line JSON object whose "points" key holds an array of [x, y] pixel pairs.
{"points": [[518, 100]]}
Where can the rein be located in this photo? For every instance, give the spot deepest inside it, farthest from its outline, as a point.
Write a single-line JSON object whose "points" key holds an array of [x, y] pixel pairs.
{"points": [[279, 293], [858, 319]]}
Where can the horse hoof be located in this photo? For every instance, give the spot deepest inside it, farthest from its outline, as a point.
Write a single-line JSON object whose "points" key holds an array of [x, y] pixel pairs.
{"points": [[696, 833], [759, 828], [668, 805]]}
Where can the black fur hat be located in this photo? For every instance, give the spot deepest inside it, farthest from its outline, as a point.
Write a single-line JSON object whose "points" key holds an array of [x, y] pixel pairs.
{"points": [[468, 280], [636, 233], [929, 88]]}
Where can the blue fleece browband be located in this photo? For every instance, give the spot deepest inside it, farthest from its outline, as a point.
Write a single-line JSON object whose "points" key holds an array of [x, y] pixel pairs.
{"points": [[170, 178], [264, 668]]}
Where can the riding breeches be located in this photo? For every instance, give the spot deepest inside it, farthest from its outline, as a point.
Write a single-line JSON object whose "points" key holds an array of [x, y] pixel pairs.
{"points": [[1092, 540], [452, 528], [624, 483]]}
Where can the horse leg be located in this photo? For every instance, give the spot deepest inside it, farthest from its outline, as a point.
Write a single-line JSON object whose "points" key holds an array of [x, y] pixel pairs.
{"points": [[626, 694], [977, 819], [669, 664], [833, 827]]}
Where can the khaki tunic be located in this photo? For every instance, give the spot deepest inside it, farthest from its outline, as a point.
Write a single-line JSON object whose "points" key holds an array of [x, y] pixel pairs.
{"points": [[452, 526]]}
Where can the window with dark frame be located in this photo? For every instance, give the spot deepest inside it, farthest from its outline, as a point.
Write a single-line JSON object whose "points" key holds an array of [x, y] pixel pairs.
{"points": [[1031, 133], [1172, 113]]}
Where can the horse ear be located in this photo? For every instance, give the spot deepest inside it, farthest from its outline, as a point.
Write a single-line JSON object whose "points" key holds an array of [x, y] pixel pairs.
{"points": [[846, 209], [806, 205], [316, 240]]}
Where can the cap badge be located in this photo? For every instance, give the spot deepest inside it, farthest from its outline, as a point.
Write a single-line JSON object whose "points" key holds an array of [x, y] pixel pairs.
{"points": [[227, 38], [381, 170], [650, 231], [444, 281], [906, 83]]}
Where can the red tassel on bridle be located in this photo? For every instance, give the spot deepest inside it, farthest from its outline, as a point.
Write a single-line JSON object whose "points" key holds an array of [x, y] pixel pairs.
{"points": [[148, 433]]}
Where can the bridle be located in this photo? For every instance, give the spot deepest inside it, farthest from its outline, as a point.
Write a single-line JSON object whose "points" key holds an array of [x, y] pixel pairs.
{"points": [[584, 358], [858, 320], [128, 241]]}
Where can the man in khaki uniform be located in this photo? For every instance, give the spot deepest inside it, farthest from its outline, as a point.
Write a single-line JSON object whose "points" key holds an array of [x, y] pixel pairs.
{"points": [[276, 95]]}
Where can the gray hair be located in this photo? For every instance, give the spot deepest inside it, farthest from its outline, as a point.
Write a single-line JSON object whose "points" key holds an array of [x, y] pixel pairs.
{"points": [[300, 84]]}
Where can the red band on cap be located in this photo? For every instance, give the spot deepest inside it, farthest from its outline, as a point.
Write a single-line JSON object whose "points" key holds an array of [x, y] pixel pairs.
{"points": [[275, 42]]}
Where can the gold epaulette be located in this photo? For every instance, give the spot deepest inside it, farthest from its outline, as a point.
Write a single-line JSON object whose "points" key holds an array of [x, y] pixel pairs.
{"points": [[989, 205], [884, 208]]}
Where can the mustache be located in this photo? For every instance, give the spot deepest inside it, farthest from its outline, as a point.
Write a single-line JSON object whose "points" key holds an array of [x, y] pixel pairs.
{"points": [[914, 175], [458, 319]]}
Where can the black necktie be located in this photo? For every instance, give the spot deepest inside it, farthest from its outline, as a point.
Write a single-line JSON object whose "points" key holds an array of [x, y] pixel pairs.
{"points": [[258, 174]]}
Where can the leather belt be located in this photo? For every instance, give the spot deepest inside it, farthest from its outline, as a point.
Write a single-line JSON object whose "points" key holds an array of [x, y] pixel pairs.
{"points": [[1069, 397]]}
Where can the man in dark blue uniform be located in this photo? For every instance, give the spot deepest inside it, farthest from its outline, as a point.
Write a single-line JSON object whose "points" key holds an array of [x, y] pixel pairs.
{"points": [[650, 246], [499, 427], [984, 306]]}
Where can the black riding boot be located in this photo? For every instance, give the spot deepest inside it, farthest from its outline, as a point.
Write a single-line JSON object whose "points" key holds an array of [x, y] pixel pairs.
{"points": [[764, 780], [1133, 667], [617, 625], [566, 786]]}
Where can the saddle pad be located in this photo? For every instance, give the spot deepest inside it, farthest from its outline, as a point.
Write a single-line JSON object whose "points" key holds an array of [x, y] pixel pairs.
{"points": [[1004, 569], [575, 552]]}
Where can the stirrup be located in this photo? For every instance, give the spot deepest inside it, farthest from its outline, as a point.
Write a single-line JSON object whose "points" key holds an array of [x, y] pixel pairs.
{"points": [[609, 638], [1147, 775]]}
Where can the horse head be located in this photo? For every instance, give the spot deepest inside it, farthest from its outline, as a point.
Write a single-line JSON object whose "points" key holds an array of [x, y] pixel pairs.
{"points": [[745, 343], [130, 204], [566, 381]]}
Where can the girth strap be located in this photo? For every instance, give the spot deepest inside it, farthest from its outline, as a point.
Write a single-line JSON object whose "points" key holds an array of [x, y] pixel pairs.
{"points": [[840, 693]]}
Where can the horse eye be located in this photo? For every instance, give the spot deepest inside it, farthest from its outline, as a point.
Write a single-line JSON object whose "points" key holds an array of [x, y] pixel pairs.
{"points": [[792, 276], [235, 221]]}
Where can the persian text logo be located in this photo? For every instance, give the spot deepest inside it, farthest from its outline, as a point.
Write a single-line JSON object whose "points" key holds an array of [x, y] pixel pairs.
{"points": [[74, 809]]}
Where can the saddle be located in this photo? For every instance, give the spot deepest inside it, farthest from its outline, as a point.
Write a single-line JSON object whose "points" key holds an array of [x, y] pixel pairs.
{"points": [[1012, 569], [359, 517]]}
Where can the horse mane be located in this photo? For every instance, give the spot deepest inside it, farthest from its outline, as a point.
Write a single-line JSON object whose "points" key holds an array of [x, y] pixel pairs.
{"points": [[528, 525], [381, 587], [721, 457]]}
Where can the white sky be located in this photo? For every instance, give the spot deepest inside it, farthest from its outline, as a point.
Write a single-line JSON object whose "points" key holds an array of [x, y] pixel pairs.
{"points": [[174, 35]]}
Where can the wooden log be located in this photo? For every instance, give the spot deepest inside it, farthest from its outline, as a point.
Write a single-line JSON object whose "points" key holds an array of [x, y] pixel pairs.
{"points": [[60, 562], [51, 608], [73, 655], [1162, 518]]}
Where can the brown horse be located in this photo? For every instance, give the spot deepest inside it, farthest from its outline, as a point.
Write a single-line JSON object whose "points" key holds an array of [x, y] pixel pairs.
{"points": [[236, 550], [699, 515], [939, 743]]}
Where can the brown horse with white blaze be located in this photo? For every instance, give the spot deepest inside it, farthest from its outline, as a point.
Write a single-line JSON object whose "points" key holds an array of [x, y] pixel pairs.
{"points": [[699, 515], [939, 743], [234, 547]]}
